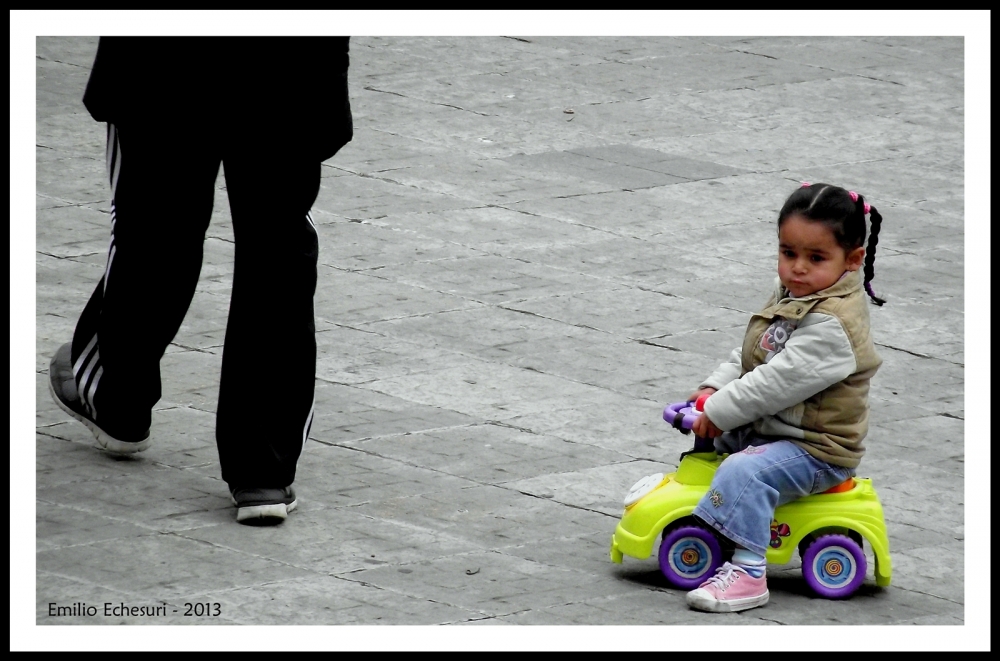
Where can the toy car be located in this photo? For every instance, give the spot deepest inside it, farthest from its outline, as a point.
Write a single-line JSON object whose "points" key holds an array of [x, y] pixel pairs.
{"points": [[827, 529]]}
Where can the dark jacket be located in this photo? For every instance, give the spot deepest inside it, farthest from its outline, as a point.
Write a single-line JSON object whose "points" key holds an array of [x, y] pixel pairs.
{"points": [[244, 88]]}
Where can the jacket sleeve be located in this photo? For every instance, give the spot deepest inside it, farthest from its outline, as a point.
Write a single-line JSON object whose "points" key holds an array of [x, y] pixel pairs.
{"points": [[817, 355], [726, 372]]}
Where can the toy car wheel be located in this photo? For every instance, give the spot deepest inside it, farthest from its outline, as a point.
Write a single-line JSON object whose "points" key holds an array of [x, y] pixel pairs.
{"points": [[834, 566], [689, 555]]}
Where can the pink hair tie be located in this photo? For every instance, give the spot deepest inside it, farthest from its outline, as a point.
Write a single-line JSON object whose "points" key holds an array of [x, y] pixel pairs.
{"points": [[854, 196], [868, 208], [805, 184]]}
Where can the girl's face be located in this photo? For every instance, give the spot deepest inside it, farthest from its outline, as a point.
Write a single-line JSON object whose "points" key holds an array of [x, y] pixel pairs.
{"points": [[809, 257]]}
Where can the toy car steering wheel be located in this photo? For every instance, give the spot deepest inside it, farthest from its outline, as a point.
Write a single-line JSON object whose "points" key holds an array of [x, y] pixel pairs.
{"points": [[681, 415]]}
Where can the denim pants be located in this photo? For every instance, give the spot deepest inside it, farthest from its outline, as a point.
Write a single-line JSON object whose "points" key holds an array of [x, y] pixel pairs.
{"points": [[760, 475]]}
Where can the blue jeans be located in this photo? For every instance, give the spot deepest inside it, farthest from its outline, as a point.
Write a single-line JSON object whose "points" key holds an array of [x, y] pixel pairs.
{"points": [[755, 479]]}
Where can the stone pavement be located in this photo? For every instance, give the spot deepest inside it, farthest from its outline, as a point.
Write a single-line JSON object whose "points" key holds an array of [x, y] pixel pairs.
{"points": [[530, 246]]}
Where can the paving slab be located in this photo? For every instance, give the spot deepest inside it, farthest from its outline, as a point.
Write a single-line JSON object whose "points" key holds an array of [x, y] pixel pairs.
{"points": [[530, 247]]}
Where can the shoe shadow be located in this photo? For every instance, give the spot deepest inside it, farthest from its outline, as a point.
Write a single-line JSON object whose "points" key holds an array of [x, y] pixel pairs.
{"points": [[261, 523], [650, 578], [125, 458], [785, 581]]}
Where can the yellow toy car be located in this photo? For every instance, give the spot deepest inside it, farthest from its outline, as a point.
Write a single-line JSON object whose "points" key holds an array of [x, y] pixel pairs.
{"points": [[828, 529]]}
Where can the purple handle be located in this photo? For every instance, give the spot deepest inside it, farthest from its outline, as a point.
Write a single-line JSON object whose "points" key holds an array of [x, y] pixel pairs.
{"points": [[681, 415]]}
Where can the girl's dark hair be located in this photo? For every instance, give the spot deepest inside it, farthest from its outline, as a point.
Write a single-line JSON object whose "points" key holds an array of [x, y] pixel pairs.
{"points": [[843, 212]]}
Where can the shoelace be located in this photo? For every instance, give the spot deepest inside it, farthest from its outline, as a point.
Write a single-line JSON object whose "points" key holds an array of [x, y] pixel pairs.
{"points": [[725, 575]]}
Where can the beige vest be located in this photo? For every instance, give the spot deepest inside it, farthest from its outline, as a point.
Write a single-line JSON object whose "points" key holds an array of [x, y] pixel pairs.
{"points": [[834, 421]]}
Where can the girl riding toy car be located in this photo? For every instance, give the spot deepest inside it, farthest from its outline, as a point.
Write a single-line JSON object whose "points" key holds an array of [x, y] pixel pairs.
{"points": [[828, 529]]}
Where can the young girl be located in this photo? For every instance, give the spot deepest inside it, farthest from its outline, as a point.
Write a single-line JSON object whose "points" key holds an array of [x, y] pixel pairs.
{"points": [[791, 404]]}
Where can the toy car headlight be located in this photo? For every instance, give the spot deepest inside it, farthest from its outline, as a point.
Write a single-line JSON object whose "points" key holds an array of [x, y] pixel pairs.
{"points": [[643, 487]]}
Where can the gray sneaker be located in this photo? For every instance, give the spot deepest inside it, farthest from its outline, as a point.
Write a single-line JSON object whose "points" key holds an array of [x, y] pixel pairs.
{"points": [[263, 506], [62, 385]]}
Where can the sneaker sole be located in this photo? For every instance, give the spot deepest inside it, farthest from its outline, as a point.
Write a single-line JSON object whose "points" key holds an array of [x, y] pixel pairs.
{"points": [[275, 512], [112, 445], [698, 602]]}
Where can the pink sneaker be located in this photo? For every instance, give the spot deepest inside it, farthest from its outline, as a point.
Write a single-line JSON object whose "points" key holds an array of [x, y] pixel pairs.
{"points": [[731, 589]]}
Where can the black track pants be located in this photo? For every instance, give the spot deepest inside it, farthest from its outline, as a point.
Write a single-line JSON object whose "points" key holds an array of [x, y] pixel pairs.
{"points": [[163, 186]]}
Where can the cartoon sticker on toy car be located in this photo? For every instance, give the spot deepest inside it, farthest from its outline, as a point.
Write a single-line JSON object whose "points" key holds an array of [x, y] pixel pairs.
{"points": [[778, 530]]}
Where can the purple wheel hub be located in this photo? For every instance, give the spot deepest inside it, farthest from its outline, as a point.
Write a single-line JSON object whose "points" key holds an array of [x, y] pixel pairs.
{"points": [[689, 555], [834, 566]]}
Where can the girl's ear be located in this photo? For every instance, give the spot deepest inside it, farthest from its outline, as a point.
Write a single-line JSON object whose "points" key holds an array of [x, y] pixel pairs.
{"points": [[855, 258]]}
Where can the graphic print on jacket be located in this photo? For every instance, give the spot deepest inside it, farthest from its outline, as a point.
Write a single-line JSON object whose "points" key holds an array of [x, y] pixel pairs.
{"points": [[774, 338]]}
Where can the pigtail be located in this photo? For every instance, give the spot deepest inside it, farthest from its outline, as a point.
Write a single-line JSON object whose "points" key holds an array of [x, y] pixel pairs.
{"points": [[870, 252]]}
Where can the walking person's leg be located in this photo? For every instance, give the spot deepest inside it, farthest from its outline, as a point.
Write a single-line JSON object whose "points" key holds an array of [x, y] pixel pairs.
{"points": [[162, 192], [269, 359]]}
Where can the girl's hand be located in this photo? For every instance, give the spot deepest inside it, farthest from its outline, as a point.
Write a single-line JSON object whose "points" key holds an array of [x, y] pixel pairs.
{"points": [[701, 391], [705, 428]]}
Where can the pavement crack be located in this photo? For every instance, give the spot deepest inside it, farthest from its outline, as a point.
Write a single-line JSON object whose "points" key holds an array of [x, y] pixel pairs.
{"points": [[539, 316], [565, 504], [746, 52], [917, 354], [187, 348], [484, 618], [507, 425], [373, 89], [654, 344], [527, 312], [68, 257], [931, 594], [69, 64], [657, 291], [398, 135], [574, 223], [474, 112], [369, 88], [386, 180], [881, 80]]}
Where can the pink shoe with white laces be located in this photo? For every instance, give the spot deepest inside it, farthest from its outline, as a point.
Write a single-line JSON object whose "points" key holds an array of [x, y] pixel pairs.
{"points": [[731, 589]]}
